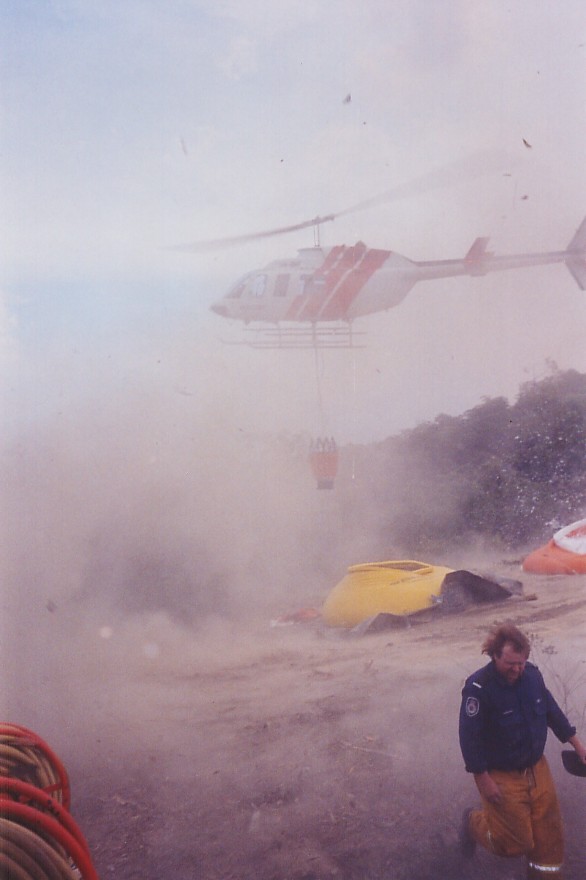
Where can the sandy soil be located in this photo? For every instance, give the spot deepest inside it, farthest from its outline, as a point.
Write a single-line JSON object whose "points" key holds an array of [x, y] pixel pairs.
{"points": [[297, 752]]}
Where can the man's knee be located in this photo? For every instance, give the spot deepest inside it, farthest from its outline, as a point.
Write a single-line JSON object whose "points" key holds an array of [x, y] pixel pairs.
{"points": [[509, 848], [500, 837], [510, 843]]}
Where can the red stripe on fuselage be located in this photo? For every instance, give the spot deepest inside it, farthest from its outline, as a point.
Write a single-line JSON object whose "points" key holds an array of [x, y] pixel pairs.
{"points": [[336, 308], [298, 304], [325, 280]]}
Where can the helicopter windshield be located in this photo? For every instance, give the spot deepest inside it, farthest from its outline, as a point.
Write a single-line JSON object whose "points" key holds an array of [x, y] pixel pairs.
{"points": [[238, 289]]}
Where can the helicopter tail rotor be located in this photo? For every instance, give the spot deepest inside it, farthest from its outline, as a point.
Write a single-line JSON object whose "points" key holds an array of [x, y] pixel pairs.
{"points": [[575, 260]]}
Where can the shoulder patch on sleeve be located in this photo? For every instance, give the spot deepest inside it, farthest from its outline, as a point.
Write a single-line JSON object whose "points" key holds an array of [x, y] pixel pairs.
{"points": [[472, 707]]}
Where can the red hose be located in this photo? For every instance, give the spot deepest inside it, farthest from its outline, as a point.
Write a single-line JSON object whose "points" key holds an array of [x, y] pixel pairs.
{"points": [[26, 793], [31, 738], [35, 819]]}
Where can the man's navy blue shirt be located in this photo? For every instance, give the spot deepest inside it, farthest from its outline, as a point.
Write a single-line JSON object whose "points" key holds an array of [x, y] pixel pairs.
{"points": [[504, 726]]}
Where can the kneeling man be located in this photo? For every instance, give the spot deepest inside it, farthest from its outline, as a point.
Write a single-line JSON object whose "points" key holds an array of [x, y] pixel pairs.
{"points": [[504, 719]]}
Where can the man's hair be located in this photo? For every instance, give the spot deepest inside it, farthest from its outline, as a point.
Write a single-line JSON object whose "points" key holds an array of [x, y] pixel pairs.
{"points": [[499, 636]]}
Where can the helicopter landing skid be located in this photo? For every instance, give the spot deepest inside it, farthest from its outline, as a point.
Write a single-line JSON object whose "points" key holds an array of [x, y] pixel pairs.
{"points": [[324, 336]]}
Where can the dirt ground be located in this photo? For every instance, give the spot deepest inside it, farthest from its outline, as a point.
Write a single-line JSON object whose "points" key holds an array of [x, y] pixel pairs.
{"points": [[246, 750]]}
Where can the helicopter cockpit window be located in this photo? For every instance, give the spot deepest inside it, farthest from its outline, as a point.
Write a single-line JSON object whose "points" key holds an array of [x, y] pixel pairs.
{"points": [[258, 286], [239, 288], [281, 285]]}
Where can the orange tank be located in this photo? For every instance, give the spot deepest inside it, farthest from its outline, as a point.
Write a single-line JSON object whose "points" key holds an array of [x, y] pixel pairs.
{"points": [[564, 554], [553, 559]]}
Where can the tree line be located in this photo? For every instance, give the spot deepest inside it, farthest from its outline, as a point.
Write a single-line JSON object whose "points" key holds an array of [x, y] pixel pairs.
{"points": [[507, 472]]}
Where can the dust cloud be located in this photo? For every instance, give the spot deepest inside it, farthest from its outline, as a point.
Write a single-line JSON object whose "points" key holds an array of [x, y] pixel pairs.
{"points": [[148, 544], [136, 513]]}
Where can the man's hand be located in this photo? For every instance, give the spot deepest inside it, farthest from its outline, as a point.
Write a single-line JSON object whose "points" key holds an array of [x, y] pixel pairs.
{"points": [[488, 788]]}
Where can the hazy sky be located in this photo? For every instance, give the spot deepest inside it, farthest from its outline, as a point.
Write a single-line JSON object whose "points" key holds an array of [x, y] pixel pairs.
{"points": [[131, 125]]}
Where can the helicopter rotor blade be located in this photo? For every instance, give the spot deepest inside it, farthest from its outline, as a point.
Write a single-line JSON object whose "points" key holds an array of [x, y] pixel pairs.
{"points": [[218, 243], [477, 164]]}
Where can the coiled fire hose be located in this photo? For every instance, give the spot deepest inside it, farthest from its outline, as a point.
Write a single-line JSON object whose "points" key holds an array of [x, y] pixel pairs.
{"points": [[39, 839], [28, 757]]}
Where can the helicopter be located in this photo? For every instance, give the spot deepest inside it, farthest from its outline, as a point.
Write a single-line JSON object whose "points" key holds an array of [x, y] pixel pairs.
{"points": [[311, 300], [318, 294]]}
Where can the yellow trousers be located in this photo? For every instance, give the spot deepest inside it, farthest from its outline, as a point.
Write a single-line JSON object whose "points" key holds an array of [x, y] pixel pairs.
{"points": [[526, 823]]}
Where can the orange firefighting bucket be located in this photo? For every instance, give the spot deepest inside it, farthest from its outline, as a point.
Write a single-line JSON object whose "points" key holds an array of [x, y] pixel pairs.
{"points": [[323, 458]]}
